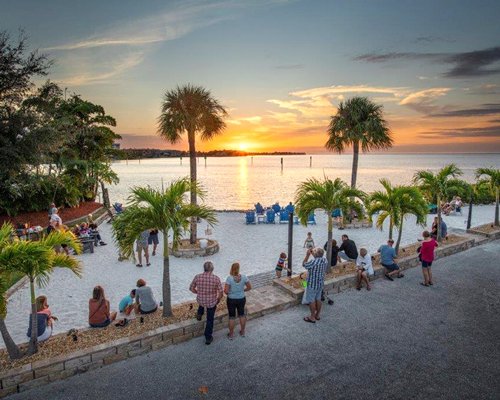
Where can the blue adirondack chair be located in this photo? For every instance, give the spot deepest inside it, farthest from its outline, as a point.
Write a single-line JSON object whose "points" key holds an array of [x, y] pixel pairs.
{"points": [[250, 217], [311, 219], [284, 215], [276, 208], [290, 207], [270, 217], [118, 208]]}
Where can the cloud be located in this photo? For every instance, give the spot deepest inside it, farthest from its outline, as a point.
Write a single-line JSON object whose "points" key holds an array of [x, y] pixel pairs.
{"points": [[464, 65], [485, 132], [432, 39], [484, 89], [252, 120], [341, 89], [424, 101], [170, 25], [486, 109]]}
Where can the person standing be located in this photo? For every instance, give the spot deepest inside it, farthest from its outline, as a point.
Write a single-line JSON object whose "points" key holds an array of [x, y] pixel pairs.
{"points": [[348, 250], [387, 257], [208, 290], [427, 257], [153, 239], [316, 270], [142, 246], [235, 288]]}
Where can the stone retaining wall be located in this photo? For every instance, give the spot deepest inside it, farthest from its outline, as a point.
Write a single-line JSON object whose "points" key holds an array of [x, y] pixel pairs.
{"points": [[342, 283], [491, 236], [212, 248]]}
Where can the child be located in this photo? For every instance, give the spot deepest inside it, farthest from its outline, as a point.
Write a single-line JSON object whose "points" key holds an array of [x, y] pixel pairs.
{"points": [[309, 242], [427, 257], [280, 266]]}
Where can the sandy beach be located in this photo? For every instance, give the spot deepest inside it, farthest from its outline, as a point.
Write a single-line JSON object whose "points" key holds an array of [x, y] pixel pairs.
{"points": [[256, 247]]}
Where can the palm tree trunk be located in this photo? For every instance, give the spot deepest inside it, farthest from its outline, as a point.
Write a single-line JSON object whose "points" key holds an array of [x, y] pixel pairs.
{"points": [[391, 228], [497, 223], [355, 157], [400, 233], [12, 349], [33, 345], [329, 245], [167, 303], [439, 218], [192, 167]]}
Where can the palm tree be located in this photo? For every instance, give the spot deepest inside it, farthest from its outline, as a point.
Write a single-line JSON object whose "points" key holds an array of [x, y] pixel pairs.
{"points": [[5, 239], [494, 182], [410, 201], [191, 109], [168, 211], [37, 260], [384, 203], [438, 186], [326, 195], [358, 121]]}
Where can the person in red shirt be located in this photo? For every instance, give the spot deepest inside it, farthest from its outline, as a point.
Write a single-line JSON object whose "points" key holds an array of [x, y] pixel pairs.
{"points": [[427, 257], [208, 290]]}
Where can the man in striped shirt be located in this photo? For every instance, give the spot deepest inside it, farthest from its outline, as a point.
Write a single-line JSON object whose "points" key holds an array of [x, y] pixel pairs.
{"points": [[316, 269], [208, 290]]}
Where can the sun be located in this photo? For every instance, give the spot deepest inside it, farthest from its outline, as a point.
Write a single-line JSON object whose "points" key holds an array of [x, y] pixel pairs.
{"points": [[243, 146]]}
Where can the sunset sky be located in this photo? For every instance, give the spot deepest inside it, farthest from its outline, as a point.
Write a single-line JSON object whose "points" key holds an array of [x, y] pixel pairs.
{"points": [[280, 67]]}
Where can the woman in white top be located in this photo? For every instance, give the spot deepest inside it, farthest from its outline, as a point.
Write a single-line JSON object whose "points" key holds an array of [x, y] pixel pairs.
{"points": [[364, 268]]}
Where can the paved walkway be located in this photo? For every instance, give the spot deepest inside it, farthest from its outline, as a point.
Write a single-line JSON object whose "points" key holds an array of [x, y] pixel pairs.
{"points": [[399, 341]]}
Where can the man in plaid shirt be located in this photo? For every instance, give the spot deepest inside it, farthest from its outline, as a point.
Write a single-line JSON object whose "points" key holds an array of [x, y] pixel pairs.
{"points": [[208, 290], [316, 270]]}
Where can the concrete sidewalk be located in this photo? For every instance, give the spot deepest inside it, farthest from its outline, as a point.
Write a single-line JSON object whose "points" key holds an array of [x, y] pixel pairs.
{"points": [[399, 341]]}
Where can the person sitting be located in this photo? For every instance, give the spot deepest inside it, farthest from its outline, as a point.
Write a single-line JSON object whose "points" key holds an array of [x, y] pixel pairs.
{"points": [[145, 302], [259, 209], [387, 257], [99, 310], [126, 305], [335, 252], [44, 320], [364, 268], [444, 229], [93, 230], [348, 250]]}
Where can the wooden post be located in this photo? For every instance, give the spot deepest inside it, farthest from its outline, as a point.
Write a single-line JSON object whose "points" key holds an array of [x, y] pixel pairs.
{"points": [[205, 161], [282, 163], [469, 216], [181, 160], [290, 243], [310, 161]]}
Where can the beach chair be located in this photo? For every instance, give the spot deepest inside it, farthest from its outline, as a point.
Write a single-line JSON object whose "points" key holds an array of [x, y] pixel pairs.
{"points": [[432, 209], [311, 219], [290, 208], [284, 215], [250, 217], [270, 217], [118, 208], [276, 208], [259, 209]]}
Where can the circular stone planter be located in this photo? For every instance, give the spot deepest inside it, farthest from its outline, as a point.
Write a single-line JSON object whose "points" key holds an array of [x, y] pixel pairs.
{"points": [[186, 250], [355, 224]]}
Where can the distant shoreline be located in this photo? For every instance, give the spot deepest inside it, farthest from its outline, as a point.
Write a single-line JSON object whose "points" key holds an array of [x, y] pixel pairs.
{"points": [[134, 154]]}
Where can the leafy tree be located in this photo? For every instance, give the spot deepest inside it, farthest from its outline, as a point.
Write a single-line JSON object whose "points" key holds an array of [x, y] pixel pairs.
{"points": [[358, 122], [438, 186], [192, 110], [166, 211], [37, 260], [494, 183], [326, 195]]}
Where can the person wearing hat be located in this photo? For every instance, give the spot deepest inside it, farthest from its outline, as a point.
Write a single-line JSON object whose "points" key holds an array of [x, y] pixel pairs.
{"points": [[387, 257]]}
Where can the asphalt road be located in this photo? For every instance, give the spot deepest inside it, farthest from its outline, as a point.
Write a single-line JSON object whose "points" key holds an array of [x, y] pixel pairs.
{"points": [[399, 341]]}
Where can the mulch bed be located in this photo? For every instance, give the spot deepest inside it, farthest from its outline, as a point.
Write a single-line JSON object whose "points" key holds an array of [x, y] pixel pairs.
{"points": [[41, 218], [487, 228], [63, 344], [348, 268]]}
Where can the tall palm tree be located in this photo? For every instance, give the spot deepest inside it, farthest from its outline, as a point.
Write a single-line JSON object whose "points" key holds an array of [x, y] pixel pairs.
{"points": [[191, 109], [37, 260], [358, 121], [494, 182], [409, 202], [326, 195], [169, 212], [385, 203], [438, 186]]}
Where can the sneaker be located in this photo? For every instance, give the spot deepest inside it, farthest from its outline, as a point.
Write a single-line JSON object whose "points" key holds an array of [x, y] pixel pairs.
{"points": [[139, 265], [102, 243], [389, 277], [209, 340], [154, 253]]}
